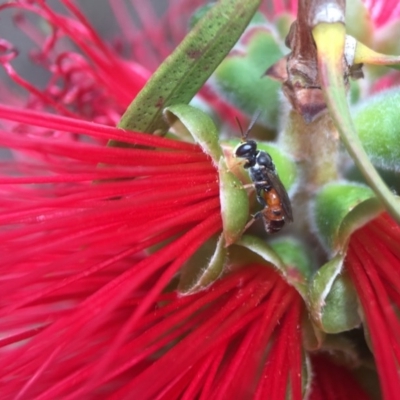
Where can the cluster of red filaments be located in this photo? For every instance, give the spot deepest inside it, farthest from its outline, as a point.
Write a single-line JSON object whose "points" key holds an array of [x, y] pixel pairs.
{"points": [[93, 238], [373, 262], [79, 222], [225, 342]]}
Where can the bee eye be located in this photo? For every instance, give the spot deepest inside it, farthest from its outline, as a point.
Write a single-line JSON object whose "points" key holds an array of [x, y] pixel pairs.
{"points": [[246, 149]]}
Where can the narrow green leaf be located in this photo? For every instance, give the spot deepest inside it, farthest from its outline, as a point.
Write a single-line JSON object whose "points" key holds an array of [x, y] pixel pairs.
{"points": [[183, 73], [258, 18], [330, 39]]}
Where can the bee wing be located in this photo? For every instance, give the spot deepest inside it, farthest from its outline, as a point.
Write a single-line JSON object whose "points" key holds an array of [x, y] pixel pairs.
{"points": [[282, 193]]}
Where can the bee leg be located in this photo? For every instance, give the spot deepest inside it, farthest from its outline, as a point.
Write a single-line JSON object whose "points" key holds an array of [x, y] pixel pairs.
{"points": [[256, 185], [260, 197], [249, 224], [261, 201], [257, 215], [249, 186], [254, 217]]}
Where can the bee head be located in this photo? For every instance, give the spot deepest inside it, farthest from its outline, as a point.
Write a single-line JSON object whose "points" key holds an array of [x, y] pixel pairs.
{"points": [[247, 149]]}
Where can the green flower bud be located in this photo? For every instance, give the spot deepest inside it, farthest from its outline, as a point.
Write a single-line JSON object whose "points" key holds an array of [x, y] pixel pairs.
{"points": [[339, 209], [333, 301], [377, 120]]}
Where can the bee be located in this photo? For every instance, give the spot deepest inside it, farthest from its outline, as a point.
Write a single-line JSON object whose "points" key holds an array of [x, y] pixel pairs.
{"points": [[270, 192]]}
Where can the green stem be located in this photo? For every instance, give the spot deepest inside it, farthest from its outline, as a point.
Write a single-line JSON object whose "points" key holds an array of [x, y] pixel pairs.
{"points": [[330, 44]]}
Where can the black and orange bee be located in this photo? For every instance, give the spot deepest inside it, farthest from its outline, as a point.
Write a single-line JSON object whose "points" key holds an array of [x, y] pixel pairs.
{"points": [[270, 192]]}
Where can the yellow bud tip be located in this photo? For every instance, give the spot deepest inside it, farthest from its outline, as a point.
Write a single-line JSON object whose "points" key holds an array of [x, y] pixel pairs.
{"points": [[365, 55]]}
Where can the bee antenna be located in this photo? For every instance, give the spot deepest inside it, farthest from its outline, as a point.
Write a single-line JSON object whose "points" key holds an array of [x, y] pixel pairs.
{"points": [[251, 125], [241, 129], [252, 122]]}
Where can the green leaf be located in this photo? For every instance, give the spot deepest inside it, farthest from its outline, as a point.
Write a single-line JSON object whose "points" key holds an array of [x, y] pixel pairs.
{"points": [[234, 204], [203, 268], [258, 17], [200, 13], [377, 120], [185, 119], [333, 300], [183, 73]]}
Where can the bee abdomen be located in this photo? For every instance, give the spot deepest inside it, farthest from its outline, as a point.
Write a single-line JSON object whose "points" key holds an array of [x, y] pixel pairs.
{"points": [[273, 226]]}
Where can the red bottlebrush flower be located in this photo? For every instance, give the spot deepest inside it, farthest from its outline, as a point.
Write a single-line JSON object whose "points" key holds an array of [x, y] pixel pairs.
{"points": [[278, 7], [388, 81], [385, 15], [88, 249], [333, 382], [93, 238], [383, 12], [76, 254], [240, 338], [373, 262]]}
